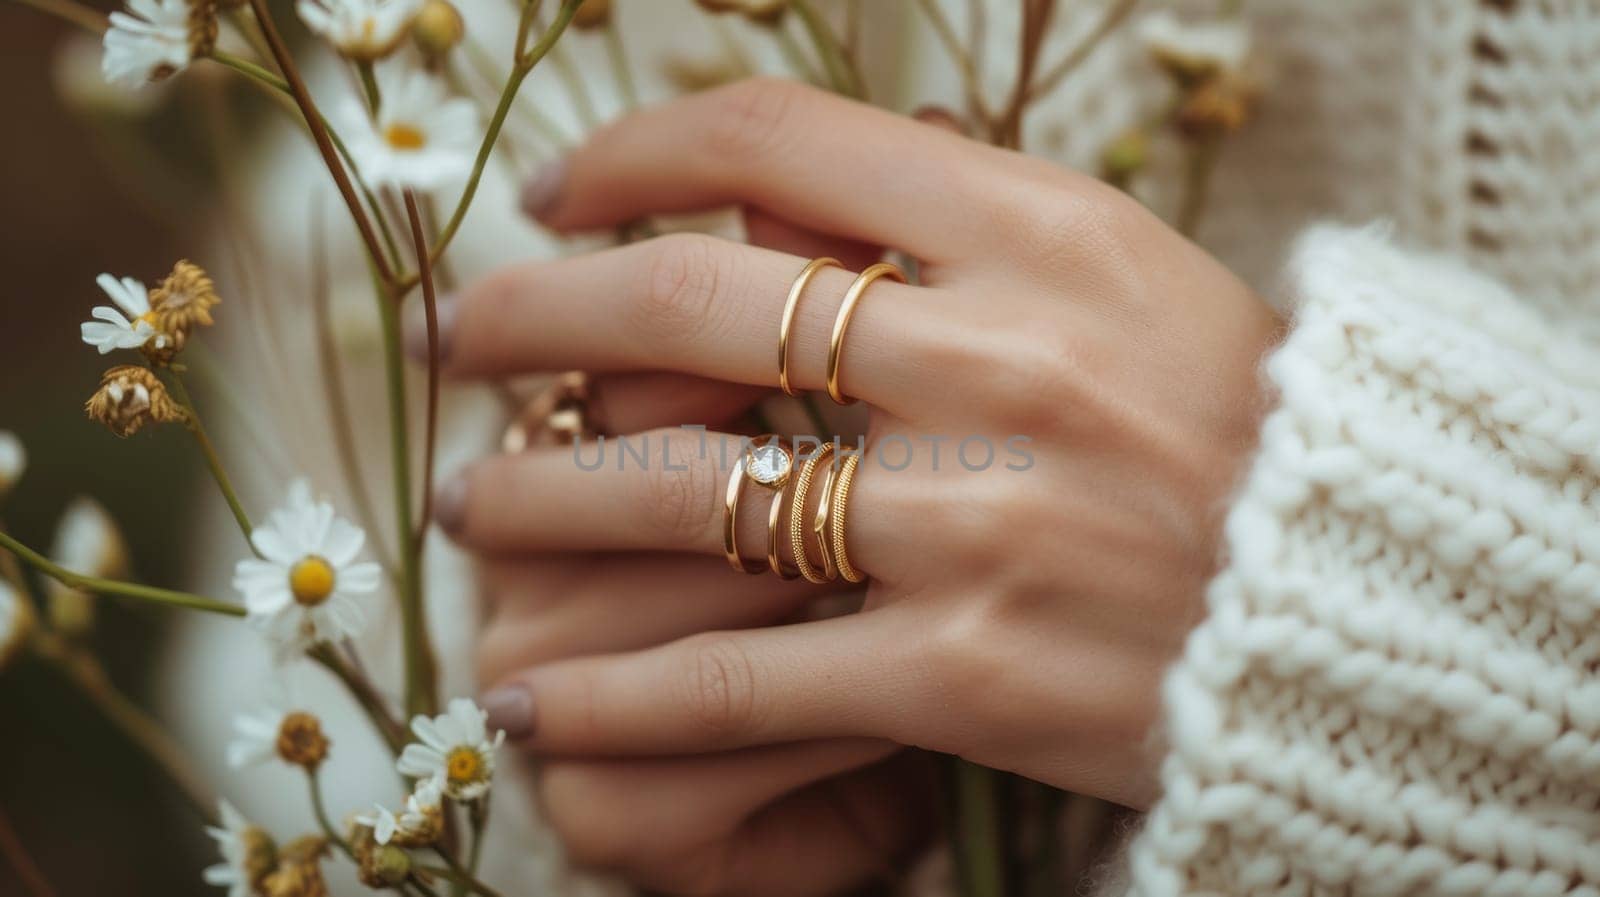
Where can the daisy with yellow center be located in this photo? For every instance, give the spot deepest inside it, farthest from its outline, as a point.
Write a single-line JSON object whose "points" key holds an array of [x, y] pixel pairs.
{"points": [[418, 825], [455, 748], [364, 30], [300, 592], [422, 138], [132, 326]]}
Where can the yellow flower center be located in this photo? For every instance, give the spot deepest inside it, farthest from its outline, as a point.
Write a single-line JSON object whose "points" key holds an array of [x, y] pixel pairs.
{"points": [[464, 766], [148, 317], [402, 136], [311, 581]]}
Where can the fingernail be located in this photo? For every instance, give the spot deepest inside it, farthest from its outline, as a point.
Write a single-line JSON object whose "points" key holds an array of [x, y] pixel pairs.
{"points": [[510, 707], [542, 192], [416, 328], [450, 504]]}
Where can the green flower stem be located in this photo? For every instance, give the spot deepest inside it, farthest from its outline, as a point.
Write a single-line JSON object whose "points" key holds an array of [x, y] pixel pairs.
{"points": [[835, 61], [431, 423], [458, 873], [572, 80], [372, 703], [621, 68], [970, 80], [218, 472], [420, 665], [1053, 77], [1200, 160], [83, 671], [421, 887], [975, 830], [265, 78], [115, 587], [314, 784], [369, 86], [525, 63]]}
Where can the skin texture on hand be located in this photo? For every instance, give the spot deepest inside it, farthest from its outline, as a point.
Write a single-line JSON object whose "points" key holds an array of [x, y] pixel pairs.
{"points": [[692, 734]]}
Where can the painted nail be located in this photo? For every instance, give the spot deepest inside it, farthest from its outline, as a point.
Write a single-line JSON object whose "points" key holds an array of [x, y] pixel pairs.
{"points": [[416, 328], [542, 193], [510, 707], [450, 504]]}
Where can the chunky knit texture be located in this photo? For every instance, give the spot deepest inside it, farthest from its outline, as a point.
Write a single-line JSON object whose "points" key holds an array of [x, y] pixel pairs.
{"points": [[1395, 690]]}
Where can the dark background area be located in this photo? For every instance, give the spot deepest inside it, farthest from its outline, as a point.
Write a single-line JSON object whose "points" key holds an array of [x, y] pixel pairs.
{"points": [[90, 812]]}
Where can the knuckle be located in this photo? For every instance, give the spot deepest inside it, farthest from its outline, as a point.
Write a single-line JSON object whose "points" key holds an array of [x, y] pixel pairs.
{"points": [[718, 682], [580, 808], [1084, 223], [684, 282], [753, 118], [678, 500]]}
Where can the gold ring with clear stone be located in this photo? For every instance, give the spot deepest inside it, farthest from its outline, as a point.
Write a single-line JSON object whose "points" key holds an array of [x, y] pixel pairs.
{"points": [[766, 462]]}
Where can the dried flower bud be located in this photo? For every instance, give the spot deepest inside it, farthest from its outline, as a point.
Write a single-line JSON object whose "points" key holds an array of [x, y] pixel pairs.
{"points": [[13, 461], [299, 870], [1191, 52], [202, 28], [87, 541], [762, 12], [592, 14], [130, 397], [378, 866], [260, 855], [1217, 106], [1124, 157], [184, 301], [16, 623], [437, 29], [301, 742]]}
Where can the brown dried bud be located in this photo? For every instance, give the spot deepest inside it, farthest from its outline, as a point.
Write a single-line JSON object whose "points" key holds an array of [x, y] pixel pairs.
{"points": [[184, 301], [260, 855], [1217, 106], [301, 742], [130, 397], [592, 14], [202, 28], [437, 29], [762, 12], [378, 866]]}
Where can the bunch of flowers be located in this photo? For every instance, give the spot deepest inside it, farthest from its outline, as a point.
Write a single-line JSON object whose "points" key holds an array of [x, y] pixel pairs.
{"points": [[404, 137]]}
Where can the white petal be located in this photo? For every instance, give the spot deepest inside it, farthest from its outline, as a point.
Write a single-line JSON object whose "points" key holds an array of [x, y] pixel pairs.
{"points": [[359, 579], [342, 542], [419, 761]]}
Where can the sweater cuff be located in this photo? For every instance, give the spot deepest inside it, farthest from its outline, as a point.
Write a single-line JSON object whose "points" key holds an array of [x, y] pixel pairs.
{"points": [[1395, 689]]}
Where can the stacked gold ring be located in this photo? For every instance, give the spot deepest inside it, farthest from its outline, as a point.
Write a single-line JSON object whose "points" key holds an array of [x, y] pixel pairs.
{"points": [[797, 510], [767, 462], [847, 310]]}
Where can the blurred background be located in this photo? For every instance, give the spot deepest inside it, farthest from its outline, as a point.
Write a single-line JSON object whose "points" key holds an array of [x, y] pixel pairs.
{"points": [[94, 817]]}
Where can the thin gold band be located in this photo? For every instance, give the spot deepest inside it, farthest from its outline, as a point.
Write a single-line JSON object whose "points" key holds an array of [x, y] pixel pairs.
{"points": [[819, 523], [846, 310], [774, 523], [730, 502], [797, 513], [790, 306], [836, 520]]}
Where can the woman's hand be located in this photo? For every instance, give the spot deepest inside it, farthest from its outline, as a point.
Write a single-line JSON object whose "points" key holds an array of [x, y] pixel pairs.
{"points": [[1020, 618]]}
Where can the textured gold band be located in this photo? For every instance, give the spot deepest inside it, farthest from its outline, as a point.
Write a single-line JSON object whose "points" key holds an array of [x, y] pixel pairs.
{"points": [[797, 512], [836, 520], [847, 309], [790, 306]]}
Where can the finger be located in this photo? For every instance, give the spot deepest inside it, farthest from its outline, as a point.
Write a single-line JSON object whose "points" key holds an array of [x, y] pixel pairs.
{"points": [[644, 812], [550, 609], [854, 676], [823, 162], [696, 305], [631, 403], [771, 232]]}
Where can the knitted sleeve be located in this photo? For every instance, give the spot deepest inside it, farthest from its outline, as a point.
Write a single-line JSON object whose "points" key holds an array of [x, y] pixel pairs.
{"points": [[1396, 690]]}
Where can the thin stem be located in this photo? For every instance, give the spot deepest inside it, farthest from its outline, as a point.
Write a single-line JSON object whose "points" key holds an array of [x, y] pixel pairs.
{"points": [[979, 853], [366, 694], [841, 74], [486, 69], [794, 55], [100, 586], [76, 13], [369, 86], [1006, 130], [251, 32], [621, 68], [139, 727], [1075, 57], [314, 784], [1200, 160], [344, 437], [525, 64], [430, 428], [218, 472], [460, 873], [320, 134], [28, 872], [422, 887], [479, 814], [572, 79], [970, 80]]}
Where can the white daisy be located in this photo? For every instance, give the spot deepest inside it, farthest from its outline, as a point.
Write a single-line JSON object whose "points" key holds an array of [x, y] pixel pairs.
{"points": [[256, 734], [247, 853], [1195, 48], [418, 825], [299, 593], [423, 138], [112, 330], [456, 749], [148, 45], [361, 29], [13, 461], [16, 621]]}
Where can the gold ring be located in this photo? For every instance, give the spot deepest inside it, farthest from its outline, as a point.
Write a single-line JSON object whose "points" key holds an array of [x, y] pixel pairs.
{"points": [[819, 523], [767, 462], [556, 415], [846, 310], [836, 519], [797, 512], [790, 306], [774, 523]]}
